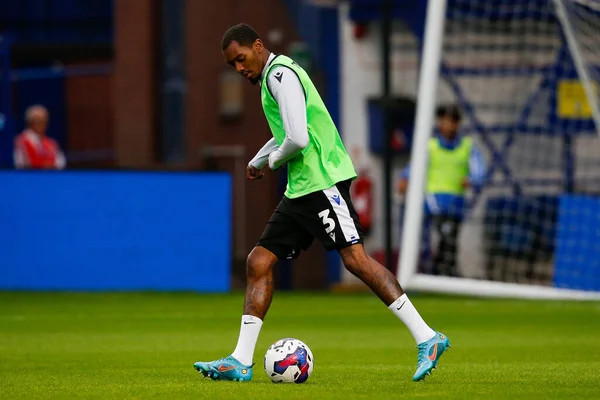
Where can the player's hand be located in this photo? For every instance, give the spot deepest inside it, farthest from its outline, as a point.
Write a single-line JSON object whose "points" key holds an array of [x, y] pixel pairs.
{"points": [[466, 183], [253, 173]]}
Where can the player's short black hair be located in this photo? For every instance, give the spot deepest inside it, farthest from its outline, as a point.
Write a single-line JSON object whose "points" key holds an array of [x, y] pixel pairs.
{"points": [[452, 111], [244, 34]]}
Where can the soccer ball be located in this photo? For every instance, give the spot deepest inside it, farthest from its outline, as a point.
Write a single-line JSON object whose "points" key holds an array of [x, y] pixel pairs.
{"points": [[289, 360]]}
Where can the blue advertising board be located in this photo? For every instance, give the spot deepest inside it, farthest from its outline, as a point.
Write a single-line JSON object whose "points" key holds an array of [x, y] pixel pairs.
{"points": [[115, 231]]}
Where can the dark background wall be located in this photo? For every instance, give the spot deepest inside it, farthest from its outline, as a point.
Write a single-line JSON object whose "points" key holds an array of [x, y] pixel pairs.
{"points": [[107, 92]]}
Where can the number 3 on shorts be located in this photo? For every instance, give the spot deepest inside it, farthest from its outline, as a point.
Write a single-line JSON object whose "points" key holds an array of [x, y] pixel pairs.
{"points": [[328, 222]]}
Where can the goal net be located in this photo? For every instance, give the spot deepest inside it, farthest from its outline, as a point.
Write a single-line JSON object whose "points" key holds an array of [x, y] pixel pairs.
{"points": [[524, 74]]}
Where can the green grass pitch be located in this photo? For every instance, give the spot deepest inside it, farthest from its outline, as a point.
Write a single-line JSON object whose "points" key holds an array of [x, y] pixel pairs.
{"points": [[143, 345]]}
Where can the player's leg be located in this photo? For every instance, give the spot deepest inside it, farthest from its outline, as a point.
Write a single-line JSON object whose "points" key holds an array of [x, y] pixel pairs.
{"points": [[259, 293], [331, 217], [431, 344], [385, 285], [447, 227], [454, 228], [439, 259], [282, 238], [426, 262]]}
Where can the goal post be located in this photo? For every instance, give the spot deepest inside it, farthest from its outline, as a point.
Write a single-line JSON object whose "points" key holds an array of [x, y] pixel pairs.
{"points": [[525, 75], [428, 82]]}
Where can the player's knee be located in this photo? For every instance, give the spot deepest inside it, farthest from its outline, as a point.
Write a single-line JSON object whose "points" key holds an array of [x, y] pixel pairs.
{"points": [[259, 262], [354, 258]]}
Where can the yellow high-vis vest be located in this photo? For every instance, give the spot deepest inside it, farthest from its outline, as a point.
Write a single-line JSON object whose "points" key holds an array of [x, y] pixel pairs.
{"points": [[448, 168]]}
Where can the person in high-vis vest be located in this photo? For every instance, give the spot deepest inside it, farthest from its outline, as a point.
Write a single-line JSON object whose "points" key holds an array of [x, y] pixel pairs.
{"points": [[455, 165], [316, 205]]}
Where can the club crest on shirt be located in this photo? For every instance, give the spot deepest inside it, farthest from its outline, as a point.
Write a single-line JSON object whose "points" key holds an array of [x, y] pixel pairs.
{"points": [[278, 76]]}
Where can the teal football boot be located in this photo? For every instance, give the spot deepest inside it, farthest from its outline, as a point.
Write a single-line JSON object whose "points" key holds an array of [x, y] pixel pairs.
{"points": [[429, 354], [227, 369]]}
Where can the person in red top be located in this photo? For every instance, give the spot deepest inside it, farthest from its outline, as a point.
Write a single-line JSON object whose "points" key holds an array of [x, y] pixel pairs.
{"points": [[33, 149]]}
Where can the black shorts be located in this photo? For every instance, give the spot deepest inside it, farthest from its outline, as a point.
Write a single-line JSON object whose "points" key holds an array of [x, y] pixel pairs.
{"points": [[327, 215]]}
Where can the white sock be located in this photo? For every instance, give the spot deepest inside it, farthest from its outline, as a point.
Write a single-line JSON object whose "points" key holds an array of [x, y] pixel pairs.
{"points": [[405, 310], [249, 330]]}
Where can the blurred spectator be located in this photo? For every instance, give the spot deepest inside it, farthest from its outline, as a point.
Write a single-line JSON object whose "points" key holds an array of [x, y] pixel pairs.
{"points": [[33, 149], [455, 164]]}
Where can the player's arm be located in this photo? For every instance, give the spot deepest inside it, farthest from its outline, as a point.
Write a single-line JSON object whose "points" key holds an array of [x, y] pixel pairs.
{"points": [[260, 160], [262, 157], [477, 168], [289, 94]]}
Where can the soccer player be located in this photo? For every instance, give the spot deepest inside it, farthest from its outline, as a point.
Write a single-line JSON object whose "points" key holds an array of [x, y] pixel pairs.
{"points": [[316, 203]]}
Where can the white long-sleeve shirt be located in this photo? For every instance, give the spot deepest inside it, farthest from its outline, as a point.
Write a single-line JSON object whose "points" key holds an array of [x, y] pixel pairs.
{"points": [[288, 92]]}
